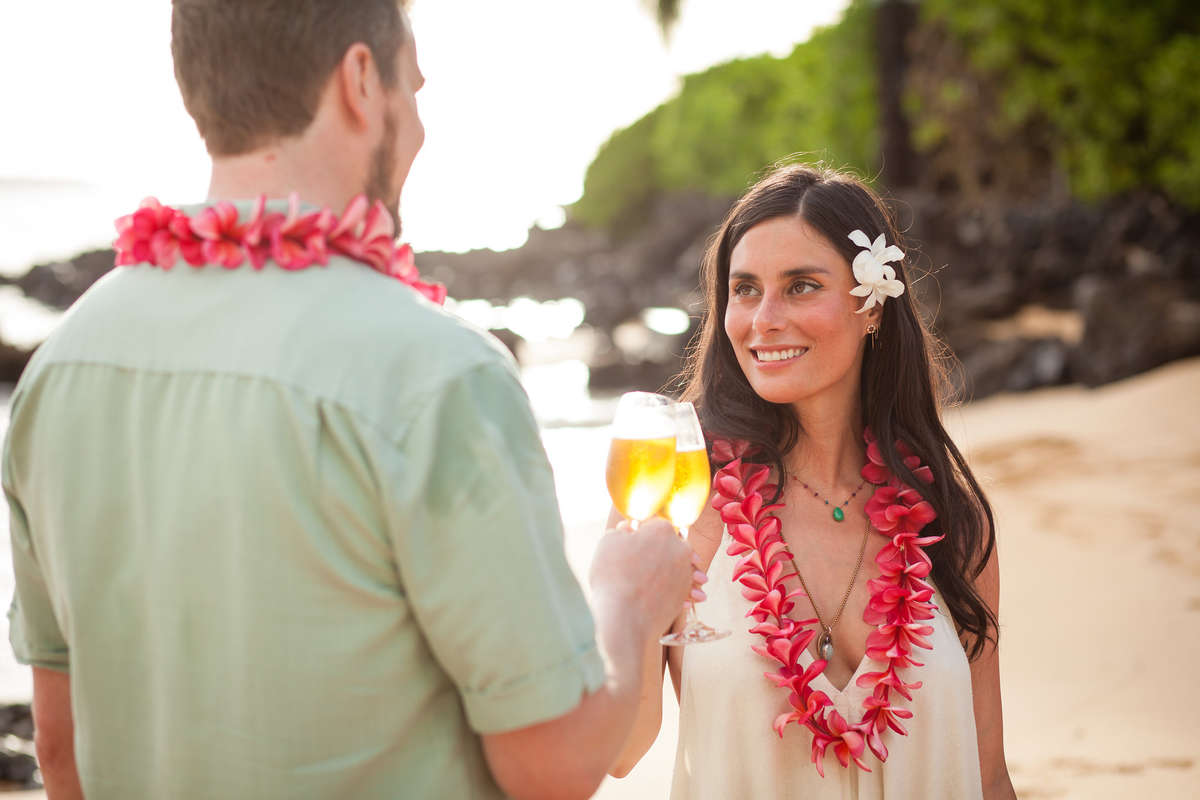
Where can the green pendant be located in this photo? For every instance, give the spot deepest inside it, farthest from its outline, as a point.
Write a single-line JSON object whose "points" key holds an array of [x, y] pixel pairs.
{"points": [[838, 514]]}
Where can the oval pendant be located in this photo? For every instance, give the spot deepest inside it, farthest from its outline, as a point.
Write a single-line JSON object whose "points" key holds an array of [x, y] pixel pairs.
{"points": [[825, 646], [838, 514]]}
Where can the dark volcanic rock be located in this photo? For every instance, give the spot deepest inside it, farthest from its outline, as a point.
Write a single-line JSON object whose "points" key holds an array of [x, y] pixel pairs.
{"points": [[614, 275], [19, 768], [17, 720], [59, 284], [623, 376], [12, 362], [1012, 365], [15, 766], [1132, 325], [507, 338], [1130, 266]]}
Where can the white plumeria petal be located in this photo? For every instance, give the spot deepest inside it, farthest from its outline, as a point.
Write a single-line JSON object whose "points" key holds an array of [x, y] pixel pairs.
{"points": [[867, 305], [861, 266], [860, 239], [891, 253], [876, 279], [875, 271]]}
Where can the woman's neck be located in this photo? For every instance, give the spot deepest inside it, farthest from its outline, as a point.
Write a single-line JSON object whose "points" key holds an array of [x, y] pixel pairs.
{"points": [[830, 452]]}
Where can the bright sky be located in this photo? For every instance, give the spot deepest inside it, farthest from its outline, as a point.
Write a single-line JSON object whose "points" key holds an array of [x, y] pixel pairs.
{"points": [[519, 96]]}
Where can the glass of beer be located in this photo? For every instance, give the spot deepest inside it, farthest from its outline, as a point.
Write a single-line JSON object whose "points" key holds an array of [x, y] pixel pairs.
{"points": [[690, 491], [641, 457]]}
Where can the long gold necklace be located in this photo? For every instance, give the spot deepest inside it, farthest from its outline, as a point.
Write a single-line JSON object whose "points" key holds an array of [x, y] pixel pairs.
{"points": [[825, 642]]}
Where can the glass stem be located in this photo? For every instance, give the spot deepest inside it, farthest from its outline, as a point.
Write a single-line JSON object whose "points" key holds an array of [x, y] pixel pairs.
{"points": [[689, 619]]}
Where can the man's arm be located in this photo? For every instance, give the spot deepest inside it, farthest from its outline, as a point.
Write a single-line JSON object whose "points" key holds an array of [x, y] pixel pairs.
{"points": [[54, 734], [639, 581], [478, 544], [35, 634]]}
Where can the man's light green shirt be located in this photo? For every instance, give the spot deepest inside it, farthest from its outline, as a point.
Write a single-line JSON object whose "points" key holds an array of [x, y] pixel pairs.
{"points": [[293, 534]]}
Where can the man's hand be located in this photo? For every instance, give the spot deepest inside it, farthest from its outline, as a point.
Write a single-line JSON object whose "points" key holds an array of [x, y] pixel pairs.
{"points": [[648, 571]]}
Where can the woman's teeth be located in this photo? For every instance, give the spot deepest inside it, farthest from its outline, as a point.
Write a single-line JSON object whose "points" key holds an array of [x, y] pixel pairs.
{"points": [[778, 355]]}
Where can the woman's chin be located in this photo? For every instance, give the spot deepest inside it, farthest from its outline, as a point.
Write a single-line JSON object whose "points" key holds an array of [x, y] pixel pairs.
{"points": [[784, 396]]}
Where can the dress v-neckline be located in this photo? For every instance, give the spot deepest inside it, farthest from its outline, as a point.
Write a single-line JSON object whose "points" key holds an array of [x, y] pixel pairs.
{"points": [[851, 686], [806, 659]]}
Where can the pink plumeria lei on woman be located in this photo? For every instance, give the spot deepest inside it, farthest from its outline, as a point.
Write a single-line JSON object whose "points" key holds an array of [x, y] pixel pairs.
{"points": [[898, 604], [158, 235]]}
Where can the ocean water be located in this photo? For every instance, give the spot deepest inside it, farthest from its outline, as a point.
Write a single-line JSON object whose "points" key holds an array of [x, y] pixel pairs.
{"points": [[43, 220]]}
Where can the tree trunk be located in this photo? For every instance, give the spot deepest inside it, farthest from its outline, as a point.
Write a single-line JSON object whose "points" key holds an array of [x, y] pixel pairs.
{"points": [[894, 20]]}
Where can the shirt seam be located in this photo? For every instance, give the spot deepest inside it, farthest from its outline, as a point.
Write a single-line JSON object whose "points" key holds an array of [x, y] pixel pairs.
{"points": [[394, 438]]}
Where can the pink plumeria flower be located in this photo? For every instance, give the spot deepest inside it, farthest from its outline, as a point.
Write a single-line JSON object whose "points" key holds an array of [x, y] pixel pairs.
{"points": [[158, 235], [218, 227]]}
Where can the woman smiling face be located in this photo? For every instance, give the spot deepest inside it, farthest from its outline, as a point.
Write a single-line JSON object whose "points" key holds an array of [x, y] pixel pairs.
{"points": [[790, 317]]}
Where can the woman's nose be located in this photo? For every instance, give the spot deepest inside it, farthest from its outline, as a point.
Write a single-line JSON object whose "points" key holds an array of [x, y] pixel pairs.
{"points": [[767, 316]]}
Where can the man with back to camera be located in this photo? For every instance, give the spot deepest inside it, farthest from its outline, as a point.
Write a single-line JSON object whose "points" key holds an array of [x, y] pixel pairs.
{"points": [[284, 529]]}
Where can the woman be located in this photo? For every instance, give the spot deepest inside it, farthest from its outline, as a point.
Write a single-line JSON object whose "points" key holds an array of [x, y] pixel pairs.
{"points": [[849, 548]]}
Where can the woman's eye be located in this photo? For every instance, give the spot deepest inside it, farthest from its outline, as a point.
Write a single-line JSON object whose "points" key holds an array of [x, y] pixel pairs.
{"points": [[743, 290], [804, 287]]}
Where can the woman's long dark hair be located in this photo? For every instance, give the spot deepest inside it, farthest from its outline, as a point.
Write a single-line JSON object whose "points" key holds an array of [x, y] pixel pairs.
{"points": [[900, 384]]}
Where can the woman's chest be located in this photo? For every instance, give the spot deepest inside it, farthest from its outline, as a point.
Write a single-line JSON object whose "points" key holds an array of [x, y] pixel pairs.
{"points": [[733, 662]]}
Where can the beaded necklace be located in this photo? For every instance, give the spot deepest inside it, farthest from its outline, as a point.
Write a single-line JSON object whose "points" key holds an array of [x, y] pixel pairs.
{"points": [[839, 511]]}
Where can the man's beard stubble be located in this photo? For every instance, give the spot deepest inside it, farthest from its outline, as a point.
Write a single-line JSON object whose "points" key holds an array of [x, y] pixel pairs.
{"points": [[383, 167]]}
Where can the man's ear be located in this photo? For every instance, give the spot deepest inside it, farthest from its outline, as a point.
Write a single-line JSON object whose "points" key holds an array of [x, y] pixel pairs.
{"points": [[357, 83]]}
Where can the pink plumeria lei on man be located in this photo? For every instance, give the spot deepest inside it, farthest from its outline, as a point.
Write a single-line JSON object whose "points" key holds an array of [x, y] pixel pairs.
{"points": [[898, 605], [158, 235]]}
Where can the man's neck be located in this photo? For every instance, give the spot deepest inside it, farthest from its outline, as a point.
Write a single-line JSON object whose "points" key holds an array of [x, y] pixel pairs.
{"points": [[278, 171]]}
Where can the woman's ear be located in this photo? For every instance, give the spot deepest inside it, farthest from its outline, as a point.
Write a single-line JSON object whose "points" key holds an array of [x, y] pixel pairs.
{"points": [[873, 319]]}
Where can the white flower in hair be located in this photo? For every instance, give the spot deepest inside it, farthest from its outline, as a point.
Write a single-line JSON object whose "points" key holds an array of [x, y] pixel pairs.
{"points": [[876, 280]]}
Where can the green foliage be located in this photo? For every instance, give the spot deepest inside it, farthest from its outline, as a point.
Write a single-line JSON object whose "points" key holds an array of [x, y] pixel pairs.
{"points": [[622, 181], [1118, 81], [729, 123]]}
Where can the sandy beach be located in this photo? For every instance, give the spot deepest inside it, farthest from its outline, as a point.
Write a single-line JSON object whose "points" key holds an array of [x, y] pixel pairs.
{"points": [[1097, 499]]}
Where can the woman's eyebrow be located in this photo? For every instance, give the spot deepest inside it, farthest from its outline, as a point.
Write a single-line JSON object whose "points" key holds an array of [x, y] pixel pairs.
{"points": [[791, 273]]}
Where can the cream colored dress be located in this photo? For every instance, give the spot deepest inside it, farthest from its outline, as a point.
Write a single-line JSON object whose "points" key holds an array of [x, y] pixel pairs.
{"points": [[728, 749]]}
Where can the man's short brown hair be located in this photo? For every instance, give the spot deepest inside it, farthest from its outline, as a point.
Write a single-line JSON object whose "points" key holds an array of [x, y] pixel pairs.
{"points": [[252, 71]]}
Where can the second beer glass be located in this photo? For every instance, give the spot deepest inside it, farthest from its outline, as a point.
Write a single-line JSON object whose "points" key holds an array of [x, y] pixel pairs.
{"points": [[690, 491]]}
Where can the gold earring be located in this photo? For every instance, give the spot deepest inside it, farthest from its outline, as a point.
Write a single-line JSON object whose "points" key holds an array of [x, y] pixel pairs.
{"points": [[874, 331]]}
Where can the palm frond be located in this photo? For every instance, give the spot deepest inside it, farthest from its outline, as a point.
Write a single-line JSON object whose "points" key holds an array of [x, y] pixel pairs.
{"points": [[666, 13]]}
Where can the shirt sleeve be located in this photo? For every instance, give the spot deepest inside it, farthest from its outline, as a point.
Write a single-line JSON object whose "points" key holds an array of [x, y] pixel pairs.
{"points": [[33, 629], [479, 547]]}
